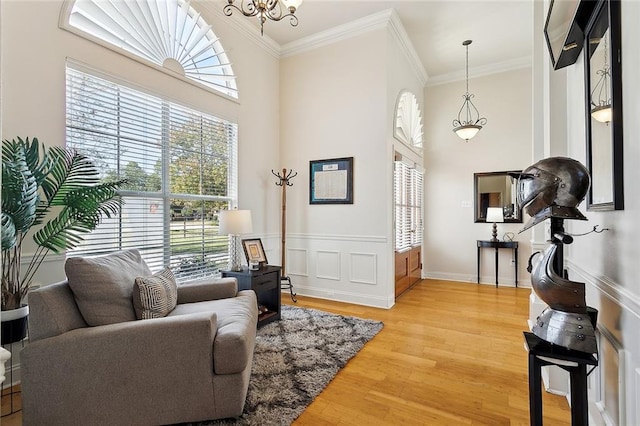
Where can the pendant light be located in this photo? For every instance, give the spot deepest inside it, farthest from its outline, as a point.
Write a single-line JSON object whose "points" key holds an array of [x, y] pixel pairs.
{"points": [[601, 93], [469, 122]]}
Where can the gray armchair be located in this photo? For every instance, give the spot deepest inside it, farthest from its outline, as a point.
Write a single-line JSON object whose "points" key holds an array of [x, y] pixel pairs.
{"points": [[194, 364]]}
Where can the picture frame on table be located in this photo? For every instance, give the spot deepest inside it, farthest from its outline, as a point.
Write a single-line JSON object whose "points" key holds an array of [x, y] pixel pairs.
{"points": [[254, 251], [331, 181]]}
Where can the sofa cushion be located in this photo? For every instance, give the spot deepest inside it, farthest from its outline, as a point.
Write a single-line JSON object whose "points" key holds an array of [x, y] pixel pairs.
{"points": [[237, 322], [103, 286], [155, 296]]}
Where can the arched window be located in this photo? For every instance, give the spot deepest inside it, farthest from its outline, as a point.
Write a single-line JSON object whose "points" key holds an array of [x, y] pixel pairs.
{"points": [[407, 126], [168, 33]]}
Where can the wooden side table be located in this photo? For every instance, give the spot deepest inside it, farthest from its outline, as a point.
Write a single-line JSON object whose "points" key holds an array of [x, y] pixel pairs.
{"points": [[498, 245], [266, 283]]}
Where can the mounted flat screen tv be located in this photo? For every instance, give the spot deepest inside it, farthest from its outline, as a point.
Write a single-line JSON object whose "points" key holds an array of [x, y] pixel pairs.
{"points": [[564, 29]]}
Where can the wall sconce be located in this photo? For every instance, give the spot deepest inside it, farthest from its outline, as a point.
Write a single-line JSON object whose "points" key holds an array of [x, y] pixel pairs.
{"points": [[233, 223], [494, 214]]}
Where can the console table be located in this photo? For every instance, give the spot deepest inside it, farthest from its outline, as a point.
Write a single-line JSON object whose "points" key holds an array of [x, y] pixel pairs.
{"points": [[266, 283], [498, 245]]}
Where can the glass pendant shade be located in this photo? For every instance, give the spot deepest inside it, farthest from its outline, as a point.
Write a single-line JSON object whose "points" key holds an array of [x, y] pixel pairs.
{"points": [[467, 132], [602, 113], [291, 3]]}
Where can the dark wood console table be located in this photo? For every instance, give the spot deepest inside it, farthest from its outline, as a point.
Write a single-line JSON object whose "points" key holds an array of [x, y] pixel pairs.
{"points": [[498, 245], [266, 283]]}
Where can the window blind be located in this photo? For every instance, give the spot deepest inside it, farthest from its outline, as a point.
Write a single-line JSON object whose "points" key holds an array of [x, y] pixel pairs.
{"points": [[408, 206], [180, 166]]}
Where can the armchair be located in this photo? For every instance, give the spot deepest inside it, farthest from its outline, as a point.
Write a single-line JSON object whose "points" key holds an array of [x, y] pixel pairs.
{"points": [[192, 365]]}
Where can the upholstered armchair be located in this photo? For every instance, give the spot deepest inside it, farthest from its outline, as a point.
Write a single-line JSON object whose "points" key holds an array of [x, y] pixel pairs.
{"points": [[91, 361]]}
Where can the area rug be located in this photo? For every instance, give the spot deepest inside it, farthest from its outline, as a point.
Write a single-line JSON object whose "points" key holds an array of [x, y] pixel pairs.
{"points": [[295, 359]]}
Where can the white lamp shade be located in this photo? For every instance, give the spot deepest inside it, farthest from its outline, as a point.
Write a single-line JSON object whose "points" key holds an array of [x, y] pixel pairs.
{"points": [[494, 214], [235, 222], [467, 132], [291, 3], [602, 113]]}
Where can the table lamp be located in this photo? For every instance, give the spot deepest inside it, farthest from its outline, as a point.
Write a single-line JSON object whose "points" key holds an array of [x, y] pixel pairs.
{"points": [[494, 214], [233, 223]]}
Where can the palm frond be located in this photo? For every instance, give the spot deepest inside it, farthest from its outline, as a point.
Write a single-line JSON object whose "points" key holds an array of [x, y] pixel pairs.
{"points": [[61, 232]]}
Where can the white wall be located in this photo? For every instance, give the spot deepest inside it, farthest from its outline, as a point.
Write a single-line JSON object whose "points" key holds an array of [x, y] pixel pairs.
{"points": [[505, 99], [608, 262], [34, 51]]}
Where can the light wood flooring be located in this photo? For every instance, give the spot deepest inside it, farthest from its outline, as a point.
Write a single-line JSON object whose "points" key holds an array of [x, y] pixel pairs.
{"points": [[449, 354]]}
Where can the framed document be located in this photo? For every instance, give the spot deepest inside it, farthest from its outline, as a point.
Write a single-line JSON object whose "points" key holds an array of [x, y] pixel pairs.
{"points": [[331, 181], [253, 250]]}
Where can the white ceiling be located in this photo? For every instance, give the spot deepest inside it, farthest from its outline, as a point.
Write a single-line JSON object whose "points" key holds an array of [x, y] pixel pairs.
{"points": [[501, 30]]}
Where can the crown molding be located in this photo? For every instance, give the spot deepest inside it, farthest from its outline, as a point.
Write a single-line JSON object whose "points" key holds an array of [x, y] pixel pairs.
{"points": [[511, 65], [243, 26], [404, 42], [341, 32]]}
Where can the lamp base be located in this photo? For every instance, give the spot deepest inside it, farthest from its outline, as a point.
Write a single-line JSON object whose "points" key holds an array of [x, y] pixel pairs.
{"points": [[234, 255], [494, 234]]}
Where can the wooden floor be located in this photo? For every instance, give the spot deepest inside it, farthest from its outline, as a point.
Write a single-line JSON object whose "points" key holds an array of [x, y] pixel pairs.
{"points": [[449, 354]]}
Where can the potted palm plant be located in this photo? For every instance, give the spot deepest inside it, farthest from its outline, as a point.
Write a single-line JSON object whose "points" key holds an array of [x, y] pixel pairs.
{"points": [[55, 192]]}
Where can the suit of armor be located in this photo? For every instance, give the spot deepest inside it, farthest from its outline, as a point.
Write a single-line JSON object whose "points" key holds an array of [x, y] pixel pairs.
{"points": [[552, 189]]}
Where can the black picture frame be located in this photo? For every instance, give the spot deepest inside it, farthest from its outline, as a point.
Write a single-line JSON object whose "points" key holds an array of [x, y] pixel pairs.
{"points": [[331, 181], [604, 26], [254, 251]]}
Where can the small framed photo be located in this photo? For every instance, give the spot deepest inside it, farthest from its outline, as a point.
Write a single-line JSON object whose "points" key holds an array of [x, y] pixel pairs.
{"points": [[253, 251], [331, 181]]}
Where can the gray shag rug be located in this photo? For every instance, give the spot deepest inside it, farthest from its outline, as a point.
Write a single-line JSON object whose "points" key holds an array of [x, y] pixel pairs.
{"points": [[295, 359]]}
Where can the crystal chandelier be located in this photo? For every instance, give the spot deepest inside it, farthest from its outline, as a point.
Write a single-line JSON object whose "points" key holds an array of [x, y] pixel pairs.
{"points": [[601, 94], [274, 10], [468, 123]]}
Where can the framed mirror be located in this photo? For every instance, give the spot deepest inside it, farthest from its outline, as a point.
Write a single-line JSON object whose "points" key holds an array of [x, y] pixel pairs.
{"points": [[603, 92], [496, 189]]}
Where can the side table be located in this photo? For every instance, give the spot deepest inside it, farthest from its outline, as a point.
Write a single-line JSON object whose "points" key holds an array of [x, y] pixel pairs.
{"points": [[266, 283], [498, 245]]}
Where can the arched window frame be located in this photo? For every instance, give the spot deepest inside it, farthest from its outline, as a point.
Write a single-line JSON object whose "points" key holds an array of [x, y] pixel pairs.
{"points": [[229, 90], [407, 123]]}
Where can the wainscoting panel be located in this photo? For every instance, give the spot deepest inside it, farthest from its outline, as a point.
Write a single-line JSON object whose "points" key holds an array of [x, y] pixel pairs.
{"points": [[297, 262], [611, 386], [328, 265], [355, 269], [363, 268]]}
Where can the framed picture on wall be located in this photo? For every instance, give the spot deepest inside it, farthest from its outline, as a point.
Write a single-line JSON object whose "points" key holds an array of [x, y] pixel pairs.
{"points": [[331, 181], [253, 251]]}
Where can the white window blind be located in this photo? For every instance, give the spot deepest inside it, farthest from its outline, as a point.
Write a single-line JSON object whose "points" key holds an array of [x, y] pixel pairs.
{"points": [[180, 166], [408, 206]]}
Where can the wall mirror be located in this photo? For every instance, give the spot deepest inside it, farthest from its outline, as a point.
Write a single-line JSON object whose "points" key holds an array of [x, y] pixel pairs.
{"points": [[603, 92], [496, 189]]}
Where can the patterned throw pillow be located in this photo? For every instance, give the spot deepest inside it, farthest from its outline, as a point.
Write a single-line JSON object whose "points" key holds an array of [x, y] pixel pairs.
{"points": [[155, 296]]}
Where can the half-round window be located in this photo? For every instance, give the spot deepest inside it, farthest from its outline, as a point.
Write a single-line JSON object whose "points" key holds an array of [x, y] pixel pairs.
{"points": [[407, 127], [168, 33]]}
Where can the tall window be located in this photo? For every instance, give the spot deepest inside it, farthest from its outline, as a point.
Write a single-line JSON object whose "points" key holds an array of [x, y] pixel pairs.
{"points": [[408, 206], [180, 166]]}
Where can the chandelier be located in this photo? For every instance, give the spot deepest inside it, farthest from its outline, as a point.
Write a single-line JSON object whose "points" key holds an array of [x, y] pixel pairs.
{"points": [[468, 123], [601, 94], [274, 10]]}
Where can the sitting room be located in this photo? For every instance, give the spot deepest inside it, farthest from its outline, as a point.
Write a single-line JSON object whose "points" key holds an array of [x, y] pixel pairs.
{"points": [[315, 212]]}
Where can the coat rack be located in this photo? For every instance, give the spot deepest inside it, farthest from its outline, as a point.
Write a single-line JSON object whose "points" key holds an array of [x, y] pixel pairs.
{"points": [[284, 180]]}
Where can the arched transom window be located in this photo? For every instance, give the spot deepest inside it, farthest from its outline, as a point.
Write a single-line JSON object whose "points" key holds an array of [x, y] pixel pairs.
{"points": [[408, 121], [169, 33]]}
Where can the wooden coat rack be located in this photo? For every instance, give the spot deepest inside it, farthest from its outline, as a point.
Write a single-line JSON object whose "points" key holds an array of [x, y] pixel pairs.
{"points": [[284, 180]]}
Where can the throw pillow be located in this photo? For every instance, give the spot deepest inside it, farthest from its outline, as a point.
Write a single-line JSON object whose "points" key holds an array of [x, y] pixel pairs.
{"points": [[103, 286], [155, 296]]}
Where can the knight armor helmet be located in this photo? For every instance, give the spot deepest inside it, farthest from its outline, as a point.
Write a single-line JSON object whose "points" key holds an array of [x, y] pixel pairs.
{"points": [[553, 187]]}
